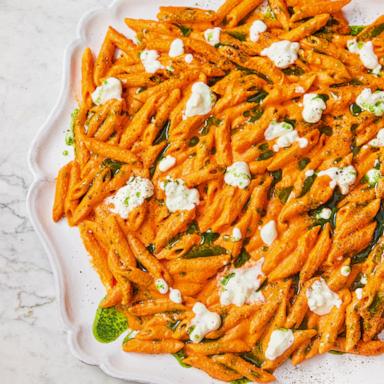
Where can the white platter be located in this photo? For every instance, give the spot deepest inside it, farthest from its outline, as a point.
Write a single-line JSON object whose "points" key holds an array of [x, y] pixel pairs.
{"points": [[78, 287]]}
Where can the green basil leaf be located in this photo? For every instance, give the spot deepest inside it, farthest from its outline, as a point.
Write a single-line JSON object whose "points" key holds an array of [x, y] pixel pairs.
{"points": [[293, 70], [265, 155], [186, 31], [303, 163], [204, 250], [283, 194], [180, 356], [356, 29], [241, 36], [258, 97], [308, 182], [242, 258]]}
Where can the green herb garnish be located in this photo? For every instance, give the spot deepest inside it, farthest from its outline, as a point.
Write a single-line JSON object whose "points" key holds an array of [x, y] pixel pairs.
{"points": [[308, 182], [186, 31], [377, 303], [258, 97], [253, 114], [326, 130], [180, 356], [192, 228], [212, 120], [204, 250], [240, 381], [109, 324], [237, 35], [193, 141], [163, 134], [355, 29], [265, 155], [362, 256], [242, 258], [355, 109], [293, 70], [226, 278], [283, 194], [113, 165], [276, 177], [333, 352], [303, 163], [251, 358]]}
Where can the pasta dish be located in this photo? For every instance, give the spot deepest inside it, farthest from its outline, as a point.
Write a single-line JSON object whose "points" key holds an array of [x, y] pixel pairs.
{"points": [[227, 184]]}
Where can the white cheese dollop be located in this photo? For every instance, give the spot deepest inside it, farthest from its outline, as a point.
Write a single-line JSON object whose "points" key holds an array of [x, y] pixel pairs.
{"points": [[314, 106], [203, 322], [200, 102], [373, 176], [162, 286], [110, 89], [380, 336], [240, 286], [188, 58], [149, 59], [367, 54], [359, 293], [268, 232], [324, 214], [378, 141], [343, 177], [212, 36], [175, 296], [256, 29], [238, 175], [167, 163], [282, 53], [178, 196], [131, 334], [236, 234], [371, 101], [345, 270], [176, 48], [285, 135], [364, 279], [279, 342], [321, 299], [132, 195], [309, 173]]}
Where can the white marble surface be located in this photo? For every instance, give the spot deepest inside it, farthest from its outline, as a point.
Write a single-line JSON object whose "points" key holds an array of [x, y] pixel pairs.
{"points": [[33, 348]]}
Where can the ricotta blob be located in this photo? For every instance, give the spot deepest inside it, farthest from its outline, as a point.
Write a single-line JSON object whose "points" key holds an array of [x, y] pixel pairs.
{"points": [[279, 342], [282, 53], [132, 195], [238, 175], [203, 322], [149, 59], [321, 299], [256, 29], [366, 53], [200, 102], [268, 232], [240, 286], [110, 89], [314, 106], [371, 101], [178, 196]]}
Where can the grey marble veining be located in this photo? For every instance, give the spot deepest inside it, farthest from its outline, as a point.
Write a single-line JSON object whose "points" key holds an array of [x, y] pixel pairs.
{"points": [[33, 348]]}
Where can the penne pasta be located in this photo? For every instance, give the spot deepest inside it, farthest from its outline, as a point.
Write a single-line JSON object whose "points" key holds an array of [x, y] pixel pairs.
{"points": [[228, 184]]}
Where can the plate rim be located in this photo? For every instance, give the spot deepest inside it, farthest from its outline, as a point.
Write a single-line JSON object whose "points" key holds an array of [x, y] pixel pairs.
{"points": [[39, 178]]}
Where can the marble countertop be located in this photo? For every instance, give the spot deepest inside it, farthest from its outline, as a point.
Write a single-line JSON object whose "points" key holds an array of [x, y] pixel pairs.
{"points": [[33, 348]]}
